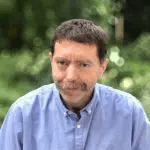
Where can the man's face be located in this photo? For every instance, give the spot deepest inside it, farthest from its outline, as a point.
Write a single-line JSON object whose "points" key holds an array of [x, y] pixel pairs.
{"points": [[75, 70]]}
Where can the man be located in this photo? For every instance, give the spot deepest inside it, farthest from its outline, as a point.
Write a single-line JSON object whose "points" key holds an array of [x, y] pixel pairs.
{"points": [[75, 112]]}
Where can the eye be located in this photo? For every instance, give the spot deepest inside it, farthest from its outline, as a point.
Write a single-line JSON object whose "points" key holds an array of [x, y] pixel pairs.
{"points": [[62, 63], [84, 65]]}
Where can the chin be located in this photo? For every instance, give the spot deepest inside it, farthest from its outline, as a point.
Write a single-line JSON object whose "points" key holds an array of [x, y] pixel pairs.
{"points": [[72, 94]]}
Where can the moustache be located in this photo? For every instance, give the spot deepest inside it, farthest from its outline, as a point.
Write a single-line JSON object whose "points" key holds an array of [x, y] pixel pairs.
{"points": [[66, 86]]}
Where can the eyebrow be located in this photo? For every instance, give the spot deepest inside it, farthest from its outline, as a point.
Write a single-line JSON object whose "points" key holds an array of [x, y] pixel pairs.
{"points": [[78, 61]]}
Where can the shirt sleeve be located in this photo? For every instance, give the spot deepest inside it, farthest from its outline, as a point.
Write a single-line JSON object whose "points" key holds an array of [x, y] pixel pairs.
{"points": [[141, 129], [11, 131]]}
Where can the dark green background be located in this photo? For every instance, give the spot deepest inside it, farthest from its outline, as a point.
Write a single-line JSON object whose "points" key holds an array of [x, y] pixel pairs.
{"points": [[26, 30]]}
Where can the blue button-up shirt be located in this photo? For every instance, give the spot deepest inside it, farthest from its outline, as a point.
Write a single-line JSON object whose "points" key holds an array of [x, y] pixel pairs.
{"points": [[113, 120]]}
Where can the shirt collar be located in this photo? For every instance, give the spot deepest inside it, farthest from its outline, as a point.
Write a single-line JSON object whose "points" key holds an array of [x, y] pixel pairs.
{"points": [[59, 102], [89, 108]]}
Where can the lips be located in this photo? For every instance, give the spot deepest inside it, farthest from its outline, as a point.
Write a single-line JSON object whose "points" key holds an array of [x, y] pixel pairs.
{"points": [[67, 87], [71, 89]]}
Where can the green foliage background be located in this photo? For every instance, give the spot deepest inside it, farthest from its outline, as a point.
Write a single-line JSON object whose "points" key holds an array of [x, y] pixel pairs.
{"points": [[26, 30]]}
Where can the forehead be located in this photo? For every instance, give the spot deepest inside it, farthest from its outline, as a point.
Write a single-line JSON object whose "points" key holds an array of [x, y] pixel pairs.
{"points": [[73, 50]]}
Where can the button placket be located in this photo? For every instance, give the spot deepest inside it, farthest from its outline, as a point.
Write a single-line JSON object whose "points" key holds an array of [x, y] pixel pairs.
{"points": [[79, 145], [78, 137]]}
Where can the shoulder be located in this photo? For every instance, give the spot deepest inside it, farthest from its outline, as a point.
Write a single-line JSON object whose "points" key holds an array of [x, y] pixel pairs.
{"points": [[38, 97], [30, 107], [120, 100]]}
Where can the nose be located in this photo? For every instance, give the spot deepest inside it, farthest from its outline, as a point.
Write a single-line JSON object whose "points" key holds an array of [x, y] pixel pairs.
{"points": [[71, 73]]}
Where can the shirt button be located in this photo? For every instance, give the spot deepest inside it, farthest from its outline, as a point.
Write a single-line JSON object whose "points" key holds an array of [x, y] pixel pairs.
{"points": [[89, 111], [78, 126], [65, 114]]}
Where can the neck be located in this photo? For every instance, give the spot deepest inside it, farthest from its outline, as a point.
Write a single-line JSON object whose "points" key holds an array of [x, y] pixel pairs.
{"points": [[77, 109]]}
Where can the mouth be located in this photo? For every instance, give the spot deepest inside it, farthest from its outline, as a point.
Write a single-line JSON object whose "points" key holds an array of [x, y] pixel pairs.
{"points": [[71, 89]]}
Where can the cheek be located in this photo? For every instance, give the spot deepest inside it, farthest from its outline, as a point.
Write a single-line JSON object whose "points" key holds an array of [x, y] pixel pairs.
{"points": [[90, 79], [57, 74], [91, 75]]}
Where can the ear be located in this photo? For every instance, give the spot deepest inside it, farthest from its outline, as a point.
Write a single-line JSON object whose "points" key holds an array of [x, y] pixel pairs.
{"points": [[104, 65], [50, 56], [102, 68]]}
